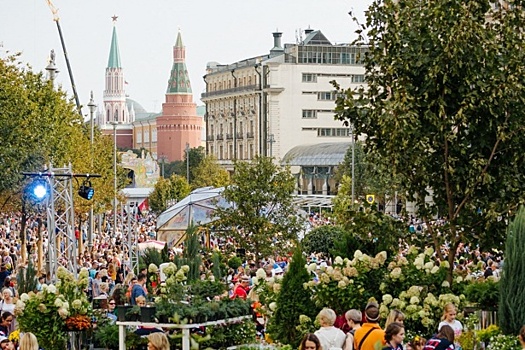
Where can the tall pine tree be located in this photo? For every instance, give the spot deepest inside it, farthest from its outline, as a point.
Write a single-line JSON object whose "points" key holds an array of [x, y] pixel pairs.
{"points": [[512, 289], [293, 301]]}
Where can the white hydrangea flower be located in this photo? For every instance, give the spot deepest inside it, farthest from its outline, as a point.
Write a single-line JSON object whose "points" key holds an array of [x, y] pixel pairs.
{"points": [[273, 306], [51, 289], [414, 300], [358, 254], [338, 260], [418, 263], [341, 284], [261, 274], [396, 273], [445, 284], [429, 251], [429, 265], [24, 297], [444, 264], [387, 299], [459, 279], [434, 270]]}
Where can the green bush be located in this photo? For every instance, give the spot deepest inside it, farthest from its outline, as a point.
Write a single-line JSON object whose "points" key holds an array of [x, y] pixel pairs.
{"points": [[322, 239], [293, 301], [234, 262], [484, 294], [511, 302], [221, 337]]}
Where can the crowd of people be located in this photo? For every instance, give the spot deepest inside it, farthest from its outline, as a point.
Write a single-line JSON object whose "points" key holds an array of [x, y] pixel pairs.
{"points": [[109, 265], [364, 332]]}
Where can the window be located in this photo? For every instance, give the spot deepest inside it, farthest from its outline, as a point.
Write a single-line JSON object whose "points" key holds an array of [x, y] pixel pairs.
{"points": [[333, 132], [358, 78], [154, 135], [326, 96], [230, 150], [309, 114], [241, 152], [139, 136], [309, 78]]}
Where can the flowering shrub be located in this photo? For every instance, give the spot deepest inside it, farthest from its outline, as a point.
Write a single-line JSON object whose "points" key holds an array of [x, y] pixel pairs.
{"points": [[266, 290], [417, 286], [504, 342], [45, 313], [348, 283]]}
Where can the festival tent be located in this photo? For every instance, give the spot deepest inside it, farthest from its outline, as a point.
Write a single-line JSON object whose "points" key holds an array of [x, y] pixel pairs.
{"points": [[196, 209], [159, 245]]}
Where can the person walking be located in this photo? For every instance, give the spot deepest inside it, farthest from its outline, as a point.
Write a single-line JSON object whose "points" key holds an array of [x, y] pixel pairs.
{"points": [[331, 338], [353, 319], [370, 334]]}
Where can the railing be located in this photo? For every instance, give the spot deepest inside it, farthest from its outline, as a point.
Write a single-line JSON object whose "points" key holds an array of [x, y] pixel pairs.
{"points": [[247, 88], [210, 137], [220, 137], [250, 135], [240, 135], [229, 136]]}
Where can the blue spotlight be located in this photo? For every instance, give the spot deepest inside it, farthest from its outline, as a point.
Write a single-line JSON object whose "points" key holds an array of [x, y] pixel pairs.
{"points": [[37, 190]]}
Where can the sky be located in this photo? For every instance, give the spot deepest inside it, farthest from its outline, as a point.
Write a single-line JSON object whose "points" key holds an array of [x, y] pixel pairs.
{"points": [[212, 30]]}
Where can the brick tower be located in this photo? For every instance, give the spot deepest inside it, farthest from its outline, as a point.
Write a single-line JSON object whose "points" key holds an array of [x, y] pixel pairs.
{"points": [[179, 124]]}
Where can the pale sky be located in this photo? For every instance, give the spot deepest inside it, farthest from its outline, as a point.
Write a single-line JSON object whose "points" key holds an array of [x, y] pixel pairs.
{"points": [[212, 30]]}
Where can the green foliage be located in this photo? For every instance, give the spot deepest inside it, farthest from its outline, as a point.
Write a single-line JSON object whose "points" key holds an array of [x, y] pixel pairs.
{"points": [[367, 230], [150, 256], [483, 293], [174, 188], [293, 301], [452, 131], [322, 239], [222, 337], [504, 342], [262, 221], [191, 255], [234, 262], [484, 335], [216, 265], [209, 173], [27, 278], [512, 290], [107, 336]]}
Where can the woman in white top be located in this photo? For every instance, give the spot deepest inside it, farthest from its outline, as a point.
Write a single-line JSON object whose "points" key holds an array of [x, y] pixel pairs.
{"points": [[449, 318], [331, 338]]}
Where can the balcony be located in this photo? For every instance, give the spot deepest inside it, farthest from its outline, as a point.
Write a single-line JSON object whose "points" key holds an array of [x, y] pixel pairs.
{"points": [[220, 137], [210, 137], [250, 135], [229, 136], [237, 90], [240, 135]]}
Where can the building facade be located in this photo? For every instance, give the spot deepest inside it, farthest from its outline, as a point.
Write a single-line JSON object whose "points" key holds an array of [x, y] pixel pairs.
{"points": [[269, 104]]}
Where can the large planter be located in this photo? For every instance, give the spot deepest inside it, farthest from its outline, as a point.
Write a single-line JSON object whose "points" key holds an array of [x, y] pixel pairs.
{"points": [[121, 312], [147, 313]]}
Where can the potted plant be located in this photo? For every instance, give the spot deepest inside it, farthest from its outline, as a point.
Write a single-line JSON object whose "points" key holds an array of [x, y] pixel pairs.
{"points": [[133, 314], [147, 313], [121, 312]]}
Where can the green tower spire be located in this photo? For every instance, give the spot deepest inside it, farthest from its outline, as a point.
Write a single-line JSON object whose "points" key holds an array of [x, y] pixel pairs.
{"points": [[114, 55], [179, 82]]}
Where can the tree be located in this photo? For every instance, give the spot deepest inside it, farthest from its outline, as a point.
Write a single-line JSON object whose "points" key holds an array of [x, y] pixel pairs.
{"points": [[322, 239], [175, 188], [39, 125], [293, 301], [263, 219], [196, 155], [512, 291], [209, 173], [444, 109]]}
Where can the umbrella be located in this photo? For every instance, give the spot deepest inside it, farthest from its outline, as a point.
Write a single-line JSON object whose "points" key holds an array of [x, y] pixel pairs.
{"points": [[159, 245], [196, 209]]}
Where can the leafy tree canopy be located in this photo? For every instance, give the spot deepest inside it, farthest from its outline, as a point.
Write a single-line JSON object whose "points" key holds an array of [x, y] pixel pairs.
{"points": [[209, 173], [444, 109], [173, 189], [263, 220]]}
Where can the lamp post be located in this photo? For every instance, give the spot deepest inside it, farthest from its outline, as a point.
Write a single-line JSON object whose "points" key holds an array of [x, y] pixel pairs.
{"points": [[353, 163], [114, 176], [92, 107]]}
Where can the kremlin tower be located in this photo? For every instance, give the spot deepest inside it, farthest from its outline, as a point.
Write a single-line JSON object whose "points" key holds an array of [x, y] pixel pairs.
{"points": [[179, 125], [115, 113]]}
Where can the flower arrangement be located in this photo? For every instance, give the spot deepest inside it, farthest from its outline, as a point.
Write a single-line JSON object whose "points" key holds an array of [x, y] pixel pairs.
{"points": [[14, 336], [78, 323], [416, 285], [504, 342], [348, 283], [45, 313]]}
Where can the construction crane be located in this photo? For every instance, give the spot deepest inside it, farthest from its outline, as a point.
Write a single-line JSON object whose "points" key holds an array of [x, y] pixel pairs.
{"points": [[54, 11]]}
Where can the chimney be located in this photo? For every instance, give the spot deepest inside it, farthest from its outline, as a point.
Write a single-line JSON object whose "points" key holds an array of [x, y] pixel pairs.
{"points": [[277, 48]]}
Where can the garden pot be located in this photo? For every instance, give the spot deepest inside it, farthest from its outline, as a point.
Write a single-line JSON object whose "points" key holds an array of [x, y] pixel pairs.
{"points": [[121, 312], [147, 313]]}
